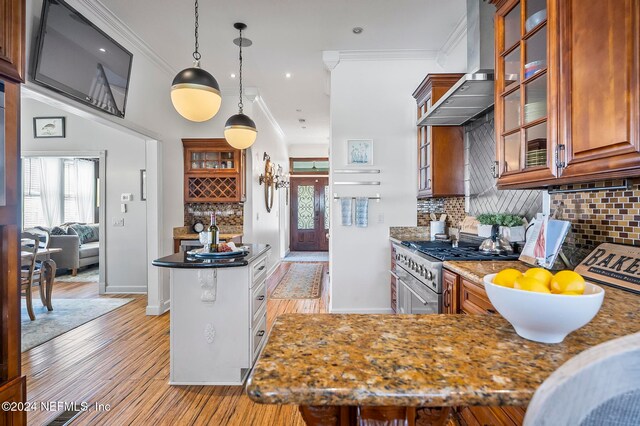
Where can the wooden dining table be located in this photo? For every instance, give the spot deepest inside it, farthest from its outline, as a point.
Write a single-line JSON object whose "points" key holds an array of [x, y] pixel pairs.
{"points": [[48, 269]]}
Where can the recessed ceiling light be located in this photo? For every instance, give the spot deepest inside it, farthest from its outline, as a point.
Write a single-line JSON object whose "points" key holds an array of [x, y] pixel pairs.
{"points": [[302, 120], [232, 75], [299, 110], [304, 127], [102, 49], [357, 30], [288, 75]]}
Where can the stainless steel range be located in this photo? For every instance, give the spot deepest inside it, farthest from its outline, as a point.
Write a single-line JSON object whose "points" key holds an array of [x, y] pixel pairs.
{"points": [[418, 272]]}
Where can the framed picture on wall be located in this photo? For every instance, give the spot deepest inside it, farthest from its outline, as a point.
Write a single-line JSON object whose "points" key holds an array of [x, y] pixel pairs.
{"points": [[360, 152], [49, 127]]}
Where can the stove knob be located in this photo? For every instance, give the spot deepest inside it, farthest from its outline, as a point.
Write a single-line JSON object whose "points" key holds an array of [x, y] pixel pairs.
{"points": [[428, 275], [421, 270]]}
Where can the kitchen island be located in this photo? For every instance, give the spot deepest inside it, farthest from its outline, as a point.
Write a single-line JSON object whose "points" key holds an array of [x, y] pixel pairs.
{"points": [[341, 367], [218, 316]]}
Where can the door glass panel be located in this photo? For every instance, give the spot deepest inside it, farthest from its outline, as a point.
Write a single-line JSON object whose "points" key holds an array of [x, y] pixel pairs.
{"points": [[512, 110], [536, 13], [326, 207], [536, 137], [512, 69], [536, 99], [512, 27], [512, 152], [423, 178], [305, 207], [536, 53]]}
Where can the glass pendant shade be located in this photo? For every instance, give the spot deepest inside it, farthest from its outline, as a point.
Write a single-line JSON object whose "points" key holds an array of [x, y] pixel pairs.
{"points": [[240, 131], [195, 94]]}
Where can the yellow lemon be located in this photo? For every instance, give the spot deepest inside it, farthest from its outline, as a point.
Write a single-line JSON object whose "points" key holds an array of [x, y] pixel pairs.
{"points": [[567, 282], [507, 277], [539, 274], [530, 284]]}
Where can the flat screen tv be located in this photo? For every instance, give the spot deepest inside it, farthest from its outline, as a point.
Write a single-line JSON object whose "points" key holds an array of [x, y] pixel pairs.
{"points": [[77, 59]]}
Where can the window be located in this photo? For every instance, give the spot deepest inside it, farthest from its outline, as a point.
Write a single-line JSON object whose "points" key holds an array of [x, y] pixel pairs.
{"points": [[69, 193]]}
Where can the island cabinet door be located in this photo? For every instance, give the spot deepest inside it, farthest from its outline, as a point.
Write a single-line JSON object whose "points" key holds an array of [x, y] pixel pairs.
{"points": [[473, 299], [600, 89]]}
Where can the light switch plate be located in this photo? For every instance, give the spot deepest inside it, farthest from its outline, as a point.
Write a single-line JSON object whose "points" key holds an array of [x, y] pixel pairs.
{"points": [[126, 197], [118, 221], [123, 208]]}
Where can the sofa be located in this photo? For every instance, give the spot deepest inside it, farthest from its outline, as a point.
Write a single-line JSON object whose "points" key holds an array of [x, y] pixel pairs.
{"points": [[80, 244]]}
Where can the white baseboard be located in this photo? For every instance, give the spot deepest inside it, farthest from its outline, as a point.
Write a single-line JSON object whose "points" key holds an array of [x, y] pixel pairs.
{"points": [[116, 289], [273, 268], [158, 310], [362, 311]]}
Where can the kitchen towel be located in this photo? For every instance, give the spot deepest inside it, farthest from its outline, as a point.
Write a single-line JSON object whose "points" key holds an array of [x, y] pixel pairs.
{"points": [[346, 210], [362, 212]]}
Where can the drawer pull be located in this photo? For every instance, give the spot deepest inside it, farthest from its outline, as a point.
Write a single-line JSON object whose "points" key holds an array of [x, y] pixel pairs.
{"points": [[261, 297], [261, 268], [260, 333], [491, 311]]}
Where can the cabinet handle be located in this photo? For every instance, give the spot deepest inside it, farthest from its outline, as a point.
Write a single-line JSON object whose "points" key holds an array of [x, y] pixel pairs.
{"points": [[260, 333], [446, 298], [560, 148], [261, 268], [491, 311], [261, 297]]}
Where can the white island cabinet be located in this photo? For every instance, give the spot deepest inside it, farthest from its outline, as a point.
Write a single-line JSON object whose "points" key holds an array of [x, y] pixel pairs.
{"points": [[218, 317]]}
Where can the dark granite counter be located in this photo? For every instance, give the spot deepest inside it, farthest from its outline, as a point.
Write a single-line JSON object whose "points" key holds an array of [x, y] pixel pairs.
{"points": [[421, 360], [182, 260]]}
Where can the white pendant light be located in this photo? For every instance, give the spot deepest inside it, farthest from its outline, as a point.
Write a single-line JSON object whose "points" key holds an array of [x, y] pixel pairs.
{"points": [[195, 93], [240, 130]]}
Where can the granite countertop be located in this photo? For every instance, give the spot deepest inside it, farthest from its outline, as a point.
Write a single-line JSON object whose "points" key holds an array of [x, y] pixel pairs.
{"points": [[182, 260], [421, 360]]}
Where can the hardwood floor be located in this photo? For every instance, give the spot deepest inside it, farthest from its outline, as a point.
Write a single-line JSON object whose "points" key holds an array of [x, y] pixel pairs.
{"points": [[122, 359]]}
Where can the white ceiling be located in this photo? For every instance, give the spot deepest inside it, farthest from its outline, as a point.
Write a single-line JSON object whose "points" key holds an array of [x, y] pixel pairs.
{"points": [[288, 36]]}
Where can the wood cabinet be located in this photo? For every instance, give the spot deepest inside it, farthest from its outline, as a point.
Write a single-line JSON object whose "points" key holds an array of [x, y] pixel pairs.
{"points": [[214, 172], [474, 299], [567, 91], [12, 29], [393, 283], [440, 148], [12, 382], [450, 292]]}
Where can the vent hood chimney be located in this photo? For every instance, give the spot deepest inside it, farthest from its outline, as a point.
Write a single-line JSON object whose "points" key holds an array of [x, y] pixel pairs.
{"points": [[474, 92]]}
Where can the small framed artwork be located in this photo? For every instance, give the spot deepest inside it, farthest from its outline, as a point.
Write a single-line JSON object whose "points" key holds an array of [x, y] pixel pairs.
{"points": [[49, 127], [143, 185], [360, 152]]}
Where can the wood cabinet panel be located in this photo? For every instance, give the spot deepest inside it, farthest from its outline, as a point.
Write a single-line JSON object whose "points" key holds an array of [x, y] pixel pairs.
{"points": [[473, 299], [599, 83], [450, 283], [12, 18], [14, 391]]}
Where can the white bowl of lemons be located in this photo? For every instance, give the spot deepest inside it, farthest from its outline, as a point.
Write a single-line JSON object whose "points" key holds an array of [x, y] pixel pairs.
{"points": [[541, 306]]}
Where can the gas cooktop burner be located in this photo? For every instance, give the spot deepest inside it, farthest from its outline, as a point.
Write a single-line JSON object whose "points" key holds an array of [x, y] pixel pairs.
{"points": [[464, 251]]}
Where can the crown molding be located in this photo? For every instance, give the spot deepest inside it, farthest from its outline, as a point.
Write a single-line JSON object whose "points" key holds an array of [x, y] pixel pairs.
{"points": [[116, 25], [259, 100], [455, 37], [387, 55]]}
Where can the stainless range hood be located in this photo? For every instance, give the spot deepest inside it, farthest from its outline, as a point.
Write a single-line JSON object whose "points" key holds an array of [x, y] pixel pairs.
{"points": [[474, 92]]}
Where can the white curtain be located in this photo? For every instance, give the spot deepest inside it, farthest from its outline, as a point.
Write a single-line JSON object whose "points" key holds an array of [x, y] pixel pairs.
{"points": [[86, 181], [50, 184]]}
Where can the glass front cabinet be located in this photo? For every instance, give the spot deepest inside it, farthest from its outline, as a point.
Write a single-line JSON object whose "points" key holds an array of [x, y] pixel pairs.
{"points": [[525, 133]]}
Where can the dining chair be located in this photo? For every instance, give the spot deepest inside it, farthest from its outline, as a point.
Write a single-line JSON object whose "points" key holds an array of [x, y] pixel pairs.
{"points": [[29, 244], [43, 244], [600, 386]]}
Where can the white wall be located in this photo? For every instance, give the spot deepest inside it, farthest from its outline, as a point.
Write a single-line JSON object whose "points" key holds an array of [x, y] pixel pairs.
{"points": [[262, 226], [125, 157], [372, 100], [308, 151]]}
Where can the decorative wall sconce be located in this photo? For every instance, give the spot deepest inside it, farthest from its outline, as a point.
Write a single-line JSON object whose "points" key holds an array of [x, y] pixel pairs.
{"points": [[269, 180]]}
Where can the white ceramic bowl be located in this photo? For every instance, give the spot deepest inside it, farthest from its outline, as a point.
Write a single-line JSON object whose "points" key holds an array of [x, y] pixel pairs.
{"points": [[543, 317]]}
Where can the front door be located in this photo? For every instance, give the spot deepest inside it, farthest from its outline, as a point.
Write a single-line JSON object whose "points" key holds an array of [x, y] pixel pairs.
{"points": [[309, 214]]}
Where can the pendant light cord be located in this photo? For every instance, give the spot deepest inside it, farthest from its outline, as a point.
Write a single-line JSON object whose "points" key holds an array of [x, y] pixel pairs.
{"points": [[196, 54], [240, 104]]}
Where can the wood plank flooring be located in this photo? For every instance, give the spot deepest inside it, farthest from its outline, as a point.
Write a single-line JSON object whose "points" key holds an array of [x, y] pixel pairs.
{"points": [[122, 359]]}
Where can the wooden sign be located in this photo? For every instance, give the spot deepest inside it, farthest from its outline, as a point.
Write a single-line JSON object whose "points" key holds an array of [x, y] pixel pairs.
{"points": [[614, 265]]}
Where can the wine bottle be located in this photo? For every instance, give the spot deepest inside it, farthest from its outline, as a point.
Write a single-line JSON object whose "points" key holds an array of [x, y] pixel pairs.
{"points": [[214, 234]]}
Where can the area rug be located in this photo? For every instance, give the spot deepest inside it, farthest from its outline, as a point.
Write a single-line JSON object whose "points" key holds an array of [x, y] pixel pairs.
{"points": [[302, 281], [88, 275], [67, 314], [307, 256]]}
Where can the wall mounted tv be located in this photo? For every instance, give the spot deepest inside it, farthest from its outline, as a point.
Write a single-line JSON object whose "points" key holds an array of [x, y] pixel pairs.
{"points": [[77, 59]]}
